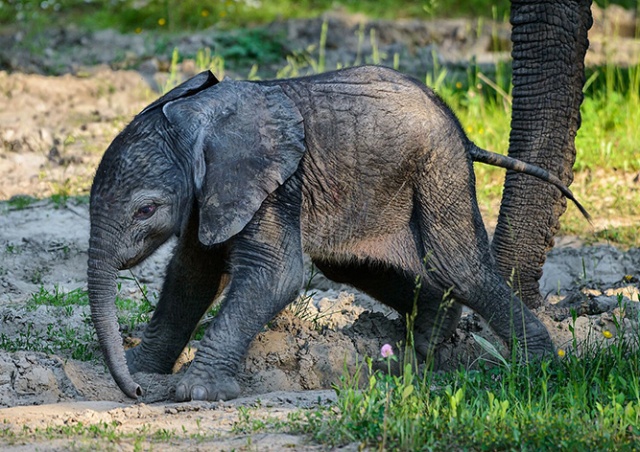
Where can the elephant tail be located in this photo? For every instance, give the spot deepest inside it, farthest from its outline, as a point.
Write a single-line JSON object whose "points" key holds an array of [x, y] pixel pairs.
{"points": [[503, 161]]}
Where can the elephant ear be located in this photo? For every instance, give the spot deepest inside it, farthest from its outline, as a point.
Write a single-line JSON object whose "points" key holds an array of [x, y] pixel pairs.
{"points": [[247, 140], [192, 86]]}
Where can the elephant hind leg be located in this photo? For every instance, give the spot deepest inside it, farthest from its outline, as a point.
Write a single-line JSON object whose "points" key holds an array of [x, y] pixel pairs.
{"points": [[459, 258], [396, 287]]}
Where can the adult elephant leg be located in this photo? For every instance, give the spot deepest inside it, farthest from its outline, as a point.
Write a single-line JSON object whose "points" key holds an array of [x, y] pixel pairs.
{"points": [[435, 322], [195, 276], [549, 44]]}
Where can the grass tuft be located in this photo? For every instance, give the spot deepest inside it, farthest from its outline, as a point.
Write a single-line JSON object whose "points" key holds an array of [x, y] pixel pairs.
{"points": [[552, 404], [68, 339]]}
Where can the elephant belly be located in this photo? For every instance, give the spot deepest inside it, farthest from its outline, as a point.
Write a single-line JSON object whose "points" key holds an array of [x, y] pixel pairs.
{"points": [[355, 219]]}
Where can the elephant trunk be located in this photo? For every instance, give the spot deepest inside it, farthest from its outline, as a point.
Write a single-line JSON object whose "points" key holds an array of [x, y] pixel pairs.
{"points": [[102, 272], [549, 44]]}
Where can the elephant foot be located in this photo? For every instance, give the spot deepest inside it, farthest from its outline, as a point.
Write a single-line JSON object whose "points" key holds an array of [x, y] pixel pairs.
{"points": [[534, 342], [439, 354], [434, 327], [139, 361], [425, 349], [433, 341], [536, 348], [530, 342], [198, 384]]}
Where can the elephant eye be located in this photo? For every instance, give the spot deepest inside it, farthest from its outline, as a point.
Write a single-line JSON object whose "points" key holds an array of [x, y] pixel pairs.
{"points": [[145, 212]]}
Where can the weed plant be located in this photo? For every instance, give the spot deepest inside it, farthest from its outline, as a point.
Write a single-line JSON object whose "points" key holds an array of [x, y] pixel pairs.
{"points": [[56, 339], [301, 307], [20, 202]]}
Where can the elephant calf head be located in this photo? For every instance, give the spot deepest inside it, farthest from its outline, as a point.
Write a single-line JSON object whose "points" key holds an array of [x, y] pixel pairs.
{"points": [[221, 148]]}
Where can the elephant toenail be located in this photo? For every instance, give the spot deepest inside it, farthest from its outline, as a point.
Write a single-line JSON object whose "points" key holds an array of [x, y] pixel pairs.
{"points": [[199, 393], [181, 393]]}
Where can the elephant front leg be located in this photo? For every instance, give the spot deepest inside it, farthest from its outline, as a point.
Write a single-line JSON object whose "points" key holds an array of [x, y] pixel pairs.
{"points": [[195, 276], [267, 274]]}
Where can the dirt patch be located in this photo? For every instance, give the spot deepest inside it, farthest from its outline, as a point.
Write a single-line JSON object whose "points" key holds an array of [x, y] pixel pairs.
{"points": [[53, 130], [192, 426]]}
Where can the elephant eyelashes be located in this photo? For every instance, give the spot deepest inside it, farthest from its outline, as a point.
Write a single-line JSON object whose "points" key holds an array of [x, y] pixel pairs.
{"points": [[145, 212]]}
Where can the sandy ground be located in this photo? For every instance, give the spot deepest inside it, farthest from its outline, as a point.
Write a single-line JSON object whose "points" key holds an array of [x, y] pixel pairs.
{"points": [[53, 131]]}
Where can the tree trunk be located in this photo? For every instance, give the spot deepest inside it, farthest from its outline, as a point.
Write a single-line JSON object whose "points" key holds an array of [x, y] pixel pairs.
{"points": [[549, 46]]}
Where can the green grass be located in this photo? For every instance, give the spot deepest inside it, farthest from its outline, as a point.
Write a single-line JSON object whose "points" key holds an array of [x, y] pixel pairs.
{"points": [[98, 436], [61, 197], [134, 312], [607, 160], [111, 435], [21, 202], [57, 298], [589, 401], [620, 235], [64, 340], [131, 15], [128, 15], [78, 343]]}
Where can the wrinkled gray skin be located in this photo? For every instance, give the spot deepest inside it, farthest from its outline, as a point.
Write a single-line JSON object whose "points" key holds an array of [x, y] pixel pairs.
{"points": [[549, 44], [364, 169]]}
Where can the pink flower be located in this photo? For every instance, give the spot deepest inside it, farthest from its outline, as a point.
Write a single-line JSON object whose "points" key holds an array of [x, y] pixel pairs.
{"points": [[386, 351]]}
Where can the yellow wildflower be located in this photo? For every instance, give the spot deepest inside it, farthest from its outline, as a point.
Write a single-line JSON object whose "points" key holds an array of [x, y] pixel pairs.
{"points": [[561, 353], [204, 13], [607, 334], [138, 30], [162, 21]]}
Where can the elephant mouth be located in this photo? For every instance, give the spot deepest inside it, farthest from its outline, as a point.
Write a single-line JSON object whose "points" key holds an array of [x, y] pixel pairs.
{"points": [[148, 248], [133, 261]]}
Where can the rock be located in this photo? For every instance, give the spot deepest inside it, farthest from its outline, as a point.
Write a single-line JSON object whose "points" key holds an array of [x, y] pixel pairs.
{"points": [[7, 371], [604, 303], [35, 380]]}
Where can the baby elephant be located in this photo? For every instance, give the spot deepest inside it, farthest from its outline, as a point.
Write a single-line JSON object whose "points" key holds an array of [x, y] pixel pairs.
{"points": [[364, 169]]}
